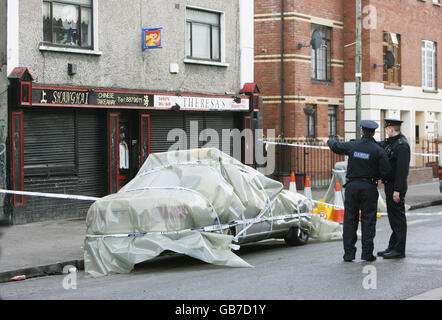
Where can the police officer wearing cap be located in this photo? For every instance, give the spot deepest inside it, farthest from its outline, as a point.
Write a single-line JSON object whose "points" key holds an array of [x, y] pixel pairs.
{"points": [[367, 163], [398, 152]]}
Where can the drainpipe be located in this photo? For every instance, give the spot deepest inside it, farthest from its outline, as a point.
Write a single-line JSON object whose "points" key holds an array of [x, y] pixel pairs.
{"points": [[282, 150], [282, 73]]}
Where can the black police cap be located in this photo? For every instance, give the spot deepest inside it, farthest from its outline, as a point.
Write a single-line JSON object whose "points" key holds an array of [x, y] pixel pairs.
{"points": [[368, 124], [392, 122]]}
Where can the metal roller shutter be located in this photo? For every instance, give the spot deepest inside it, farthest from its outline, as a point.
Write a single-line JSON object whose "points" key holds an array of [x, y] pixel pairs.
{"points": [[161, 124], [49, 143], [194, 121], [64, 152], [49, 163], [91, 141], [218, 122]]}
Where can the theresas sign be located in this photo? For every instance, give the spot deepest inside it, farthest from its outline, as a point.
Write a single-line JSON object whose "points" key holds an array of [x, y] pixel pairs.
{"points": [[102, 98], [200, 103]]}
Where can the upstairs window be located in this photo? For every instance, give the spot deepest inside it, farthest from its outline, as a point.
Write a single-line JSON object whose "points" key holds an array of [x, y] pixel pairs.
{"points": [[203, 32], [321, 58], [68, 23], [428, 65], [392, 42]]}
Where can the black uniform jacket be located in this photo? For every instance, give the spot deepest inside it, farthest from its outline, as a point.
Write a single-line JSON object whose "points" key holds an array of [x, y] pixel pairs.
{"points": [[366, 159], [398, 153]]}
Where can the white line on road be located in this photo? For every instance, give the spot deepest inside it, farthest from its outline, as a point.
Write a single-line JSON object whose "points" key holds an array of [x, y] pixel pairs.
{"points": [[416, 221]]}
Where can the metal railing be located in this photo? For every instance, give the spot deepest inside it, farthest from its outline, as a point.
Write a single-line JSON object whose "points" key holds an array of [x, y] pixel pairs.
{"points": [[313, 162], [318, 163]]}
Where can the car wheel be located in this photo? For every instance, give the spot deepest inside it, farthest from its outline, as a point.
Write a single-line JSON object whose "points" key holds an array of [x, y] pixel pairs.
{"points": [[292, 239]]}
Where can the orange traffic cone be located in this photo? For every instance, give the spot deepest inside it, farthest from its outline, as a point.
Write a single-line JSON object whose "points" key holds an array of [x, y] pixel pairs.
{"points": [[338, 214], [307, 188], [292, 186], [308, 193]]}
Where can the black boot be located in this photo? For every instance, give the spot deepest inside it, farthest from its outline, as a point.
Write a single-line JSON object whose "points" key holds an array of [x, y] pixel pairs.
{"points": [[381, 253], [368, 257], [393, 254], [349, 257]]}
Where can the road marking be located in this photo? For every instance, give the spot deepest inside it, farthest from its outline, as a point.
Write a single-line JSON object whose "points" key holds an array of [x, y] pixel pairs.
{"points": [[435, 294], [416, 221]]}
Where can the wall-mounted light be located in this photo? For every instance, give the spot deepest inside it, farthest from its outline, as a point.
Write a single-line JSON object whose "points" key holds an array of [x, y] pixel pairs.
{"points": [[72, 69], [176, 107], [237, 99]]}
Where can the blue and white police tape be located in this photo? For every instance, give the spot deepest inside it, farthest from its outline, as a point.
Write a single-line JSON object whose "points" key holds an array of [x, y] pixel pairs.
{"points": [[327, 148], [50, 195], [211, 228]]}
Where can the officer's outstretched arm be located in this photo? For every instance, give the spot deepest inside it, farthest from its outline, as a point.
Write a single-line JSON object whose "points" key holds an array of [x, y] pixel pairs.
{"points": [[339, 147]]}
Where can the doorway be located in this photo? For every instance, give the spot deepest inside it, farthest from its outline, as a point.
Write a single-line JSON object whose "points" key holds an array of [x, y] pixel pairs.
{"points": [[123, 148]]}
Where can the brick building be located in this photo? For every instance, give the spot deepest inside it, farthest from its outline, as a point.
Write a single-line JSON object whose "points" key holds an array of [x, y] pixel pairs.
{"points": [[319, 89], [313, 95], [410, 91]]}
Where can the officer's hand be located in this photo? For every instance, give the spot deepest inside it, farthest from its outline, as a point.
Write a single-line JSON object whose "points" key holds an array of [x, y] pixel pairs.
{"points": [[396, 197]]}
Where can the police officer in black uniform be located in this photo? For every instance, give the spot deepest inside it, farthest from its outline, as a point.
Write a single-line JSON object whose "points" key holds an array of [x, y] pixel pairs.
{"points": [[398, 152], [367, 163]]}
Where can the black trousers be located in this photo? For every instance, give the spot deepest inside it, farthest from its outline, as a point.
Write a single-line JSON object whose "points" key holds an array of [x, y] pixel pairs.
{"points": [[397, 219], [364, 196]]}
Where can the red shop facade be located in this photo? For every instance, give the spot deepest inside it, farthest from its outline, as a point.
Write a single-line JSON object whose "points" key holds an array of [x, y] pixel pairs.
{"points": [[92, 141]]}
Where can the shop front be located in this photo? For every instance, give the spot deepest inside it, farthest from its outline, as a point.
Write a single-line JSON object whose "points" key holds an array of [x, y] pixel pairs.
{"points": [[92, 141]]}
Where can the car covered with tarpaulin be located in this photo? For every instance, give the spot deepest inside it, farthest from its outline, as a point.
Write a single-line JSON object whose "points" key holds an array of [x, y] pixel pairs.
{"points": [[201, 203]]}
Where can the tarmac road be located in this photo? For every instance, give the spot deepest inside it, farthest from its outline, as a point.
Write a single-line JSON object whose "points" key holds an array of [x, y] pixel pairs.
{"points": [[314, 271]]}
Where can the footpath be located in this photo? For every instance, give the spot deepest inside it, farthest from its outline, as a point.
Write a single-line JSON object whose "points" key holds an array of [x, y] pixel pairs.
{"points": [[45, 248]]}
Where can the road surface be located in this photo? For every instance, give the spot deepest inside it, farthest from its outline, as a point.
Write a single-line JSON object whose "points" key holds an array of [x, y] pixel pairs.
{"points": [[313, 271]]}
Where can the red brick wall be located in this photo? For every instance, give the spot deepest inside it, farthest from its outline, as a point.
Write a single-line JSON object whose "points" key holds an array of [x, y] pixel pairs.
{"points": [[414, 20], [298, 80]]}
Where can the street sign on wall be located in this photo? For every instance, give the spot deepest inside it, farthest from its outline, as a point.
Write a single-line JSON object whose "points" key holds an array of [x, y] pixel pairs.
{"points": [[152, 38]]}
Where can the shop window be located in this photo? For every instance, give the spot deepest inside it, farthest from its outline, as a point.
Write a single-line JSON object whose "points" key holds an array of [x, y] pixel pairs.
{"points": [[68, 23], [321, 57], [392, 42], [332, 121], [428, 65], [203, 34]]}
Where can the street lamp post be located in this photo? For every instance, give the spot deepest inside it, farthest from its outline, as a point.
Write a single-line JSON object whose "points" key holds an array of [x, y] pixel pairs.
{"points": [[358, 70]]}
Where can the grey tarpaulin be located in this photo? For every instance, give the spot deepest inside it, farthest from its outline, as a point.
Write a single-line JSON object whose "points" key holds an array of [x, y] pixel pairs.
{"points": [[186, 202]]}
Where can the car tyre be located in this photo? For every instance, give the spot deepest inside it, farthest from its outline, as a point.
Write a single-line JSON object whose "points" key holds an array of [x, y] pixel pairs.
{"points": [[292, 239]]}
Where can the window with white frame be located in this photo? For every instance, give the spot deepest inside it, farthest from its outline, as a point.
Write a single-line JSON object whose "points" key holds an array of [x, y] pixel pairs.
{"points": [[68, 23], [203, 34], [428, 65], [436, 2]]}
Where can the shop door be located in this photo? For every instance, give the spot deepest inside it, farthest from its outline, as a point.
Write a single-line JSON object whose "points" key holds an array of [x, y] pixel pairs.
{"points": [[123, 148]]}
